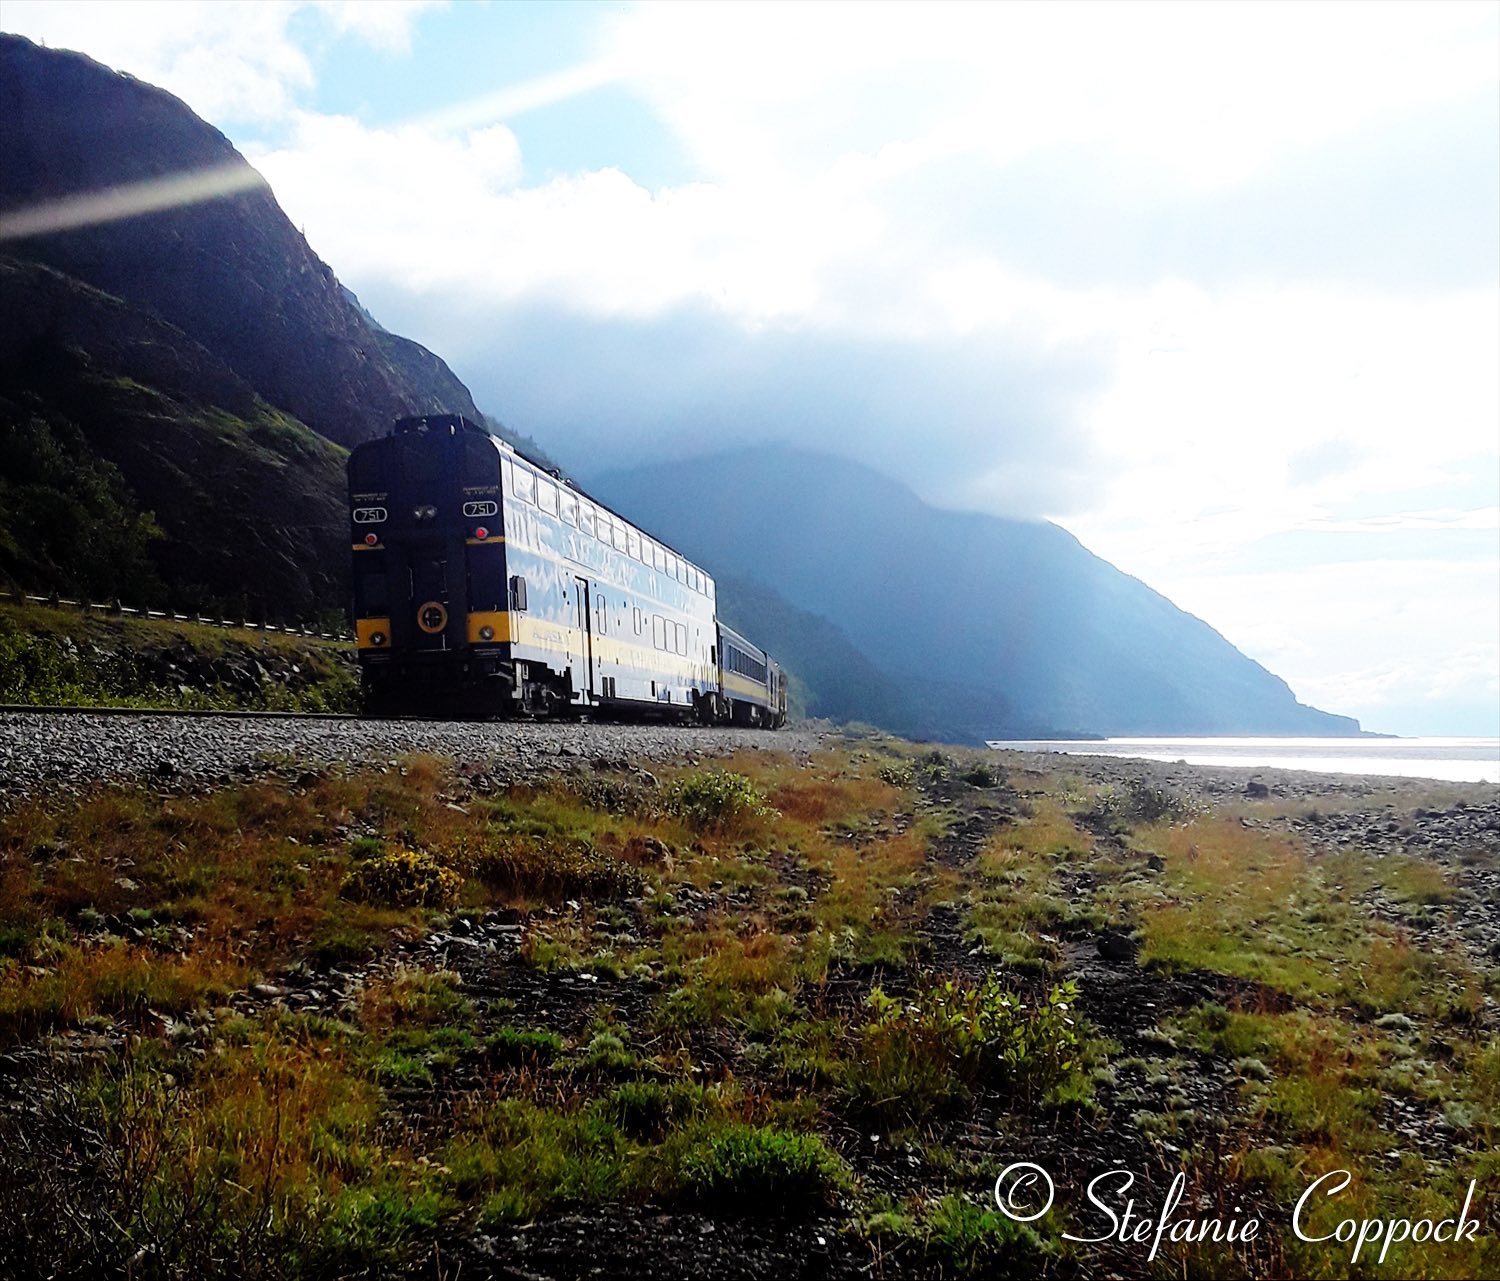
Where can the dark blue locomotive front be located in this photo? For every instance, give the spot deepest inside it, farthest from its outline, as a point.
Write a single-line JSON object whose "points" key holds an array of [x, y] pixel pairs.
{"points": [[486, 585]]}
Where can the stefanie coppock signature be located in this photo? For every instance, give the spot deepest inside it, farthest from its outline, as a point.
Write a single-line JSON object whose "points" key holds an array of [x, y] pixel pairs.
{"points": [[1024, 1192]]}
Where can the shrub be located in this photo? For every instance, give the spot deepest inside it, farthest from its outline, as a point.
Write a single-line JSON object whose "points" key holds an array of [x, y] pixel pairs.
{"points": [[950, 1038], [416, 998], [403, 878], [615, 796], [647, 1110], [1140, 802], [896, 773], [761, 1170], [980, 775], [514, 1046], [965, 1240], [553, 868], [716, 800], [607, 1055]]}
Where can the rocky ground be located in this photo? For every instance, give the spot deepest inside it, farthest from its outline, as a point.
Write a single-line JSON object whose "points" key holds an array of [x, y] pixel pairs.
{"points": [[39, 749], [1160, 1101]]}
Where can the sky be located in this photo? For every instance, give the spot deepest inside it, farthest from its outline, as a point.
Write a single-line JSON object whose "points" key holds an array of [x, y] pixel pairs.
{"points": [[1216, 287]]}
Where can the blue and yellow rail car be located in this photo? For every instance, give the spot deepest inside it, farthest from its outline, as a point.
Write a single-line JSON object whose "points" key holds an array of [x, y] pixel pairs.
{"points": [[485, 584], [750, 681]]}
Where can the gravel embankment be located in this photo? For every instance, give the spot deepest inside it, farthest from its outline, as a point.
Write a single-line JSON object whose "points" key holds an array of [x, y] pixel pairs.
{"points": [[40, 751]]}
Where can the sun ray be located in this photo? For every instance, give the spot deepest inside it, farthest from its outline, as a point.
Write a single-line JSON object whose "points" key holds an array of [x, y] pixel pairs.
{"points": [[128, 200]]}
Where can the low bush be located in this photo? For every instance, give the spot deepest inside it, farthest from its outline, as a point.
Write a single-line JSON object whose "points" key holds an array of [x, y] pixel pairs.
{"points": [[919, 1056], [760, 1170], [715, 800], [647, 1110], [512, 1047], [403, 878], [955, 1237], [1140, 802], [896, 773], [552, 868], [413, 998]]}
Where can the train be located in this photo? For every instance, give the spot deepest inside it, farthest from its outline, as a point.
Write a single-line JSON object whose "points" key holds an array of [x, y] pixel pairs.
{"points": [[489, 585]]}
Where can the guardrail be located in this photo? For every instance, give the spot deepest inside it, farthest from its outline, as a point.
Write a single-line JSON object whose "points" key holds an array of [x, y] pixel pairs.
{"points": [[118, 610]]}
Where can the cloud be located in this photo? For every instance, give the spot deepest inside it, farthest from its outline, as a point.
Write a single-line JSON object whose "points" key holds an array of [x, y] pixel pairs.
{"points": [[606, 392], [232, 61], [1409, 646], [385, 25], [1208, 94]]}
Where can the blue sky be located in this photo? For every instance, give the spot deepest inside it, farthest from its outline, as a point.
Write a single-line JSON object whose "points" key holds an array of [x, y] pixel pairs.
{"points": [[1214, 286]]}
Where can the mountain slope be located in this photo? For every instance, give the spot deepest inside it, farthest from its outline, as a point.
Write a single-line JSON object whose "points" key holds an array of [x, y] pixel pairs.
{"points": [[133, 463], [230, 272], [830, 678], [947, 600]]}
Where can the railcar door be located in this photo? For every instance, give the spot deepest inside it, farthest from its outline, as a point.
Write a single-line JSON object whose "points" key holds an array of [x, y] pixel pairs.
{"points": [[583, 639], [431, 605]]}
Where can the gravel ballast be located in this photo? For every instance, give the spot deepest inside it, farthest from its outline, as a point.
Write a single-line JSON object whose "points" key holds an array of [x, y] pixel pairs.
{"points": [[42, 750]]}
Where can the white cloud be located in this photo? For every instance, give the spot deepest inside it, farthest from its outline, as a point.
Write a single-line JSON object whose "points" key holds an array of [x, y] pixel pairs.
{"points": [[1208, 92], [1378, 639], [386, 24], [232, 61]]}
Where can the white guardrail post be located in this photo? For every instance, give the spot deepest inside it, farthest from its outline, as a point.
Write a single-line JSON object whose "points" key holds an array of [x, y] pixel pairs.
{"points": [[117, 608]]}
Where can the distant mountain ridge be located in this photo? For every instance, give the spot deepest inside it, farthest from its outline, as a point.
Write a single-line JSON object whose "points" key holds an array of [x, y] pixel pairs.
{"points": [[965, 611]]}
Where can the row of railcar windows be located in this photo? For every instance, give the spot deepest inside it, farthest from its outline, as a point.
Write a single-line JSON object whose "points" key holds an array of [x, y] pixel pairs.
{"points": [[547, 496], [667, 636], [738, 661]]}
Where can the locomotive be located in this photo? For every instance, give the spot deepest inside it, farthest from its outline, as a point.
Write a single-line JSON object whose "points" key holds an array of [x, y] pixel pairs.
{"points": [[487, 585]]}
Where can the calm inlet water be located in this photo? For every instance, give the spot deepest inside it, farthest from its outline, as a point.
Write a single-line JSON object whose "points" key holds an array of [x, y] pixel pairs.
{"points": [[1455, 760]]}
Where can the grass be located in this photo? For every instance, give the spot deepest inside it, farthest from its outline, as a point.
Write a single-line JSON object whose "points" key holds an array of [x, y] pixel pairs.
{"points": [[1242, 903], [728, 993], [57, 657]]}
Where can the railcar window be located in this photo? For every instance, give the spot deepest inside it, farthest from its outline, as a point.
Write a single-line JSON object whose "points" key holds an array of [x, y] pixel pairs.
{"points": [[567, 507], [620, 535], [601, 615], [658, 632], [638, 623], [507, 476], [525, 485], [658, 557], [586, 517], [681, 639], [633, 544], [547, 496]]}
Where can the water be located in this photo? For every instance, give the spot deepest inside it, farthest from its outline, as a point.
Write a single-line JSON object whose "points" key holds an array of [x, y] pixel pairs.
{"points": [[1454, 760]]}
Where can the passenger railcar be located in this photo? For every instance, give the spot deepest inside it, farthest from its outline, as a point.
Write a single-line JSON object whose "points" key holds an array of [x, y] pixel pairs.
{"points": [[485, 584], [751, 681]]}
